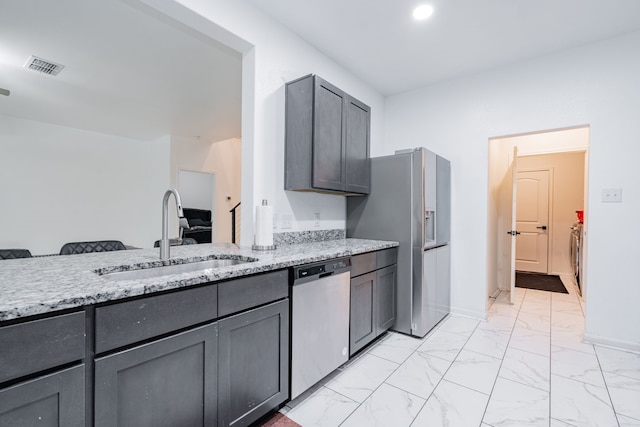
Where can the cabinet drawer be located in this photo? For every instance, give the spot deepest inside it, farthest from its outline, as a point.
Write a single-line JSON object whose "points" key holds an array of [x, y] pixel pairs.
{"points": [[125, 323], [363, 263], [29, 347], [249, 292], [386, 257]]}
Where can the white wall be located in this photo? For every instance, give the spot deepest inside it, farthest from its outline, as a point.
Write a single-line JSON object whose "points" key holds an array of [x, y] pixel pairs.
{"points": [[595, 85], [59, 184], [272, 57], [196, 189]]}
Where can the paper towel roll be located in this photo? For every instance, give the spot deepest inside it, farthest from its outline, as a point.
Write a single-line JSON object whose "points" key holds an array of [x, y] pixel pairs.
{"points": [[264, 225]]}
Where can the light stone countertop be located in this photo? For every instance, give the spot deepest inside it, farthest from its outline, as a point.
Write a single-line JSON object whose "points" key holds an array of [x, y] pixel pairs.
{"points": [[39, 285]]}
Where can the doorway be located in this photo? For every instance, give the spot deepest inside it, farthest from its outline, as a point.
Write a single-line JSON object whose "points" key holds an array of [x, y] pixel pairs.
{"points": [[213, 171], [557, 152], [197, 190]]}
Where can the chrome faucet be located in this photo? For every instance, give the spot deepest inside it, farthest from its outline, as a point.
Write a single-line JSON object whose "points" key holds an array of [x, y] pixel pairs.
{"points": [[164, 242]]}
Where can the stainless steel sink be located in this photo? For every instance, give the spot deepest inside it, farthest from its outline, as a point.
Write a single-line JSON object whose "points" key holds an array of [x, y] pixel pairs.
{"points": [[164, 270]]}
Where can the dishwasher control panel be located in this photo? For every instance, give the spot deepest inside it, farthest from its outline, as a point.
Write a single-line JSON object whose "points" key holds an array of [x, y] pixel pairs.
{"points": [[310, 271], [321, 269]]}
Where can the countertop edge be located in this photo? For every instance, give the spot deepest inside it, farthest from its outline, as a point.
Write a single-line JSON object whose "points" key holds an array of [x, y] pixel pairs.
{"points": [[30, 299]]}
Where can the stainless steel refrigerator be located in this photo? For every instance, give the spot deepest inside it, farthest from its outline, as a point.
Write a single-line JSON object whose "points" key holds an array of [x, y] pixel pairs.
{"points": [[410, 202]]}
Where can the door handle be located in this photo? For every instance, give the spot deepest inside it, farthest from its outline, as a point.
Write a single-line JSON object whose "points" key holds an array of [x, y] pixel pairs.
{"points": [[543, 227], [513, 233]]}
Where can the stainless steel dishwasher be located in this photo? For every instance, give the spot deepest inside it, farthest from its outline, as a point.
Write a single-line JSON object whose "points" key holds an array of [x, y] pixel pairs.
{"points": [[319, 321]]}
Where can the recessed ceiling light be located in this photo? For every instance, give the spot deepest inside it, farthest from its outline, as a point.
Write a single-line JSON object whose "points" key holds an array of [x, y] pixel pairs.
{"points": [[423, 12]]}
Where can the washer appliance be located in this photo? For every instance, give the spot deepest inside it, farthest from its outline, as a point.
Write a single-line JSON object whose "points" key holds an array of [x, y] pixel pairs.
{"points": [[576, 252]]}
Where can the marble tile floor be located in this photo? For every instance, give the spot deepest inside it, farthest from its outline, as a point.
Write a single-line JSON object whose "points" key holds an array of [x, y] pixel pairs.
{"points": [[525, 366]]}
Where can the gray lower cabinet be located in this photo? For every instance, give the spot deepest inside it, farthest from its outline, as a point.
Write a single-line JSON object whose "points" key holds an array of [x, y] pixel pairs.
{"points": [[37, 386], [213, 355], [373, 293], [362, 325], [385, 292], [54, 400], [166, 383], [253, 364]]}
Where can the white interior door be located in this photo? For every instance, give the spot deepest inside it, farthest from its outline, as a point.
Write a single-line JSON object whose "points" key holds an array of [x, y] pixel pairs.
{"points": [[512, 232], [506, 227], [532, 221]]}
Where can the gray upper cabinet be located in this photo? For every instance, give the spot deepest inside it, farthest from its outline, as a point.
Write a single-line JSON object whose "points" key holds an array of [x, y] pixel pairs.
{"points": [[327, 139], [357, 147]]}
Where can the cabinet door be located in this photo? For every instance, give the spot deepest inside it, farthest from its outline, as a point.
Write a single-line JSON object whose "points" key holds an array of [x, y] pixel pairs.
{"points": [[253, 364], [55, 400], [328, 137], [166, 383], [362, 324], [357, 147], [385, 298]]}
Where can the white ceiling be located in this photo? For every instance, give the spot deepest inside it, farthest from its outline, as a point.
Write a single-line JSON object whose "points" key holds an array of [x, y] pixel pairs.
{"points": [[380, 42], [126, 72], [129, 73]]}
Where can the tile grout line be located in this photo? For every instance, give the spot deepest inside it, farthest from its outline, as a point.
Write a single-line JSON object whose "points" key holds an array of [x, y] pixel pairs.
{"points": [[550, 349], [423, 340], [446, 370], [606, 386], [594, 352], [457, 331], [502, 360], [368, 352]]}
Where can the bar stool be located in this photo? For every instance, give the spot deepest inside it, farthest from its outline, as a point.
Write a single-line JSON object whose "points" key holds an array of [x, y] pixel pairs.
{"points": [[88, 247], [14, 253]]}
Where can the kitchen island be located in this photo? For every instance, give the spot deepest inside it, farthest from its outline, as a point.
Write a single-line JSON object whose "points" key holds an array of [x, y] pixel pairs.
{"points": [[83, 345], [31, 286]]}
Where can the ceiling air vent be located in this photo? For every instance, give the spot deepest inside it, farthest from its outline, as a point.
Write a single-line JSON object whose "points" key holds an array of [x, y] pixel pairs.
{"points": [[43, 65]]}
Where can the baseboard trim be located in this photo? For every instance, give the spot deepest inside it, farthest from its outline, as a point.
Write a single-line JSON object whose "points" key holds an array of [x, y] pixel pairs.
{"points": [[472, 314], [611, 342]]}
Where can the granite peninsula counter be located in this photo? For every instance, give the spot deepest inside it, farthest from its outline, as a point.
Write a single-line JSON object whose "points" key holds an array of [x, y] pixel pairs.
{"points": [[41, 285]]}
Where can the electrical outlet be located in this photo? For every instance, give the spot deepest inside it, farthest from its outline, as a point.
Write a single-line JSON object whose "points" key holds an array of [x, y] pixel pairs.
{"points": [[316, 219], [612, 195]]}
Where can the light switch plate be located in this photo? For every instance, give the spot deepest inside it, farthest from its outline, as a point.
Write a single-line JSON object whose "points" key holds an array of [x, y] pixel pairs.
{"points": [[612, 195]]}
